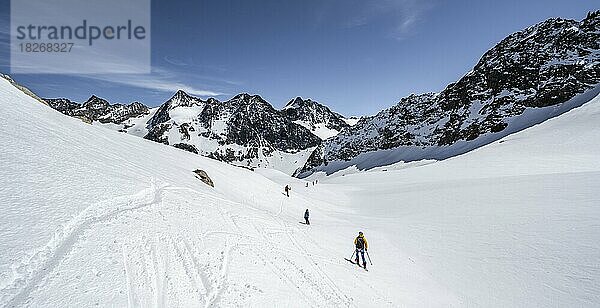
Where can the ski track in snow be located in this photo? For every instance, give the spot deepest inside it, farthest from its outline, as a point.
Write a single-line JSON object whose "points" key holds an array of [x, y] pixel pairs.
{"points": [[287, 269], [28, 273], [149, 264]]}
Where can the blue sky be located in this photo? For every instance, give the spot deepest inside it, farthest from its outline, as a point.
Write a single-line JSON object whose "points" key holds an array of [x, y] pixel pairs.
{"points": [[357, 57]]}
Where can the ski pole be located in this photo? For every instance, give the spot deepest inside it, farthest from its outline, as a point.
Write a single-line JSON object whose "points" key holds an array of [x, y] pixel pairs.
{"points": [[369, 257], [352, 254]]}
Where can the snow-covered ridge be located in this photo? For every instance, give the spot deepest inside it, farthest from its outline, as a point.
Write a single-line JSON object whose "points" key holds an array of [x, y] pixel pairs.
{"points": [[244, 131], [544, 65], [98, 109]]}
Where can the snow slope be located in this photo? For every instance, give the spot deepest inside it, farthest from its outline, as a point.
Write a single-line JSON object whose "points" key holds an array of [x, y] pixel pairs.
{"points": [[319, 129], [91, 217], [511, 224], [97, 218]]}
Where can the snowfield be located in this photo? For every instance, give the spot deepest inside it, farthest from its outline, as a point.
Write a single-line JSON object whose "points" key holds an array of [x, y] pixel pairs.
{"points": [[320, 129], [511, 224], [92, 217]]}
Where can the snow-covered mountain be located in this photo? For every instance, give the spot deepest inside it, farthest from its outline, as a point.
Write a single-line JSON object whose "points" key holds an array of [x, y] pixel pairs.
{"points": [[527, 78], [244, 131], [98, 109], [319, 119], [92, 217], [544, 65]]}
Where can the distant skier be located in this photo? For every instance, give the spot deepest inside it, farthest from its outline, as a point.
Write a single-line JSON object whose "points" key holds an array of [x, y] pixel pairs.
{"points": [[306, 217], [360, 242], [287, 190], [306, 184]]}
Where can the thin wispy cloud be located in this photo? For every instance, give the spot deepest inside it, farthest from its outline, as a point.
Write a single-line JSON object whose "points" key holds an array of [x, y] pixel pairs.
{"points": [[160, 79], [208, 72], [397, 18], [409, 15]]}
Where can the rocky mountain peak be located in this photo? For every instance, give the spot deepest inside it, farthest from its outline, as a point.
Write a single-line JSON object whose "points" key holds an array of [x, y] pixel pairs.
{"points": [[241, 96], [591, 20], [245, 98], [97, 103], [297, 102], [181, 98], [181, 93]]}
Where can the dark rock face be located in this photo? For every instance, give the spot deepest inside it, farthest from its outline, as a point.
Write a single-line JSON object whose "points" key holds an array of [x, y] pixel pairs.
{"points": [[405, 124], [63, 105], [543, 65], [245, 120], [156, 133], [251, 121], [315, 159], [312, 113], [186, 147], [98, 109]]}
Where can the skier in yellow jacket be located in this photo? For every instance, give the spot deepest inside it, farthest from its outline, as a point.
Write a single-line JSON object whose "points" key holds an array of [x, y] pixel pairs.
{"points": [[361, 244]]}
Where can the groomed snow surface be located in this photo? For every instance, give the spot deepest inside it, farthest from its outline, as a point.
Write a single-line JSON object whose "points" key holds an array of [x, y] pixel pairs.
{"points": [[92, 217]]}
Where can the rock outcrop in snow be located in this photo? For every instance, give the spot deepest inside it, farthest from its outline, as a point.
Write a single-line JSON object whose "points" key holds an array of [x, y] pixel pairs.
{"points": [[544, 65], [203, 176]]}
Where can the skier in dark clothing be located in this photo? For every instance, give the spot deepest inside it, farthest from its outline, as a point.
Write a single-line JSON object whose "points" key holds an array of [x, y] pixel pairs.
{"points": [[287, 190], [306, 217], [361, 244]]}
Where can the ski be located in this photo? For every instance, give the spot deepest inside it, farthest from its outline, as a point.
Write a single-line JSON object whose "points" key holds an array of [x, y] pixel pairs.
{"points": [[355, 264]]}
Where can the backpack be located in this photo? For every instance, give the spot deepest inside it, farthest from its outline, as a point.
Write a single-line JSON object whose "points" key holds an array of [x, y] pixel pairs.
{"points": [[360, 242]]}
